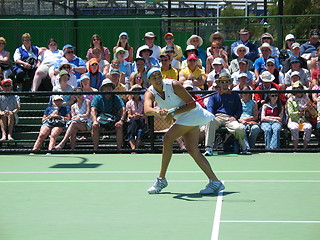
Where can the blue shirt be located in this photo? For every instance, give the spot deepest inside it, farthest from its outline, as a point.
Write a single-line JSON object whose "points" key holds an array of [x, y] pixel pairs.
{"points": [[260, 63], [75, 62], [111, 105], [229, 104], [307, 47], [63, 110]]}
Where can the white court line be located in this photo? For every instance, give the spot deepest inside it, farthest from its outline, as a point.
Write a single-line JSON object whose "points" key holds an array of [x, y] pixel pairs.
{"points": [[139, 181], [127, 172], [217, 217], [245, 221]]}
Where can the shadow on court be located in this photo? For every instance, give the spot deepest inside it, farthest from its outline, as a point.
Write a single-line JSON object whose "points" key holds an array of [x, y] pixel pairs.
{"points": [[82, 164], [194, 196]]}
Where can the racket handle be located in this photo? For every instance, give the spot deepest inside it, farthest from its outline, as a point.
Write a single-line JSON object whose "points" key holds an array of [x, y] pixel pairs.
{"points": [[171, 110]]}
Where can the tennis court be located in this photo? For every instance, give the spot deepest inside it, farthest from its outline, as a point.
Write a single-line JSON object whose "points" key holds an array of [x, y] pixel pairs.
{"points": [[268, 196]]}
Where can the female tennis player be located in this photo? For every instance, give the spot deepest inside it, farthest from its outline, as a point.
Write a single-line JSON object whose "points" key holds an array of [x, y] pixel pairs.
{"points": [[168, 94]]}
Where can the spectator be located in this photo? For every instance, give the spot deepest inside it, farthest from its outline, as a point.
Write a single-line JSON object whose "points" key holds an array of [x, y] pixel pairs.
{"points": [[249, 119], [137, 79], [200, 76], [85, 86], [294, 77], [115, 77], [271, 120], [136, 118], [315, 96], [174, 62], [96, 42], [268, 38], [80, 120], [146, 53], [139, 63], [113, 106], [9, 108], [26, 59], [295, 52], [115, 64], [53, 123], [240, 51], [245, 40], [169, 38], [266, 84], [309, 48], [315, 73], [123, 42], [63, 86], [219, 37], [298, 106], [218, 68], [261, 62], [318, 121], [286, 52], [65, 65], [217, 52], [227, 108], [314, 62], [149, 38], [278, 75], [304, 73], [243, 68], [96, 77], [47, 59], [197, 41], [242, 81], [5, 62], [167, 70], [103, 64], [78, 65], [190, 50], [125, 66]]}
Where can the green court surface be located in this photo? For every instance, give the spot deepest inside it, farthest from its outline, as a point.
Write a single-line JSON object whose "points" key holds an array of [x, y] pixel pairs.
{"points": [[271, 196]]}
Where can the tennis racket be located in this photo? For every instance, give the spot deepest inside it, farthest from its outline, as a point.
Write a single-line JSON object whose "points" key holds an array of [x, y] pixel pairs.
{"points": [[171, 110]]}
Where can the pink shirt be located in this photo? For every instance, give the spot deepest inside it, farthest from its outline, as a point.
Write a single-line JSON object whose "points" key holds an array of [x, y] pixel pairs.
{"points": [[135, 107]]}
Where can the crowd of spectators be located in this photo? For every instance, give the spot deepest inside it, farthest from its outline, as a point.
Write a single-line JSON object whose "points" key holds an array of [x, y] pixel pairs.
{"points": [[246, 65]]}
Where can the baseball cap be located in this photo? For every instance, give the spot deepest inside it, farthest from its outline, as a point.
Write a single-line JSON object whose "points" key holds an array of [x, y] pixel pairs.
{"points": [[63, 72], [115, 71], [123, 34], [272, 60], [106, 82], [169, 34], [243, 60], [188, 84], [295, 59], [289, 36], [243, 74], [57, 97], [314, 33], [65, 47], [217, 61], [169, 48], [6, 80], [136, 87], [295, 45], [295, 73]]}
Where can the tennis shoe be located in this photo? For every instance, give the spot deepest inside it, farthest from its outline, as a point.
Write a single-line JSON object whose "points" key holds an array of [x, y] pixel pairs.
{"points": [[158, 185], [212, 187], [209, 152]]}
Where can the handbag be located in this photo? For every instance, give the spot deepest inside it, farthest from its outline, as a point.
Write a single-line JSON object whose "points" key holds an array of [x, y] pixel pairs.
{"points": [[56, 122], [5, 65], [32, 61], [106, 119]]}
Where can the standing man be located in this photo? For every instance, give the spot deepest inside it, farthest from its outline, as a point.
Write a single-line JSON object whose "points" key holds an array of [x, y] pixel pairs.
{"points": [[244, 35], [227, 107], [149, 38]]}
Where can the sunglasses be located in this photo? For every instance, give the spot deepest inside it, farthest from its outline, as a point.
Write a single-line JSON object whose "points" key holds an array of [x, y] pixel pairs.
{"points": [[52, 44], [96, 39], [265, 50], [169, 38], [27, 40], [241, 50], [6, 86], [66, 67], [115, 64], [217, 38], [290, 40], [123, 38], [273, 95], [138, 77], [140, 64], [149, 38], [224, 82], [95, 64], [270, 65], [2, 43], [215, 47], [170, 51], [70, 52], [164, 60], [192, 60]]}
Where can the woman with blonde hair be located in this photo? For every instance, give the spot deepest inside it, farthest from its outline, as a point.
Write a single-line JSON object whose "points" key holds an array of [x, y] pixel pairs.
{"points": [[217, 52]]}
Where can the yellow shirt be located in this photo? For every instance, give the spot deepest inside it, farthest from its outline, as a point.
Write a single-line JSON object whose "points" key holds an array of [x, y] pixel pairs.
{"points": [[171, 73], [197, 72]]}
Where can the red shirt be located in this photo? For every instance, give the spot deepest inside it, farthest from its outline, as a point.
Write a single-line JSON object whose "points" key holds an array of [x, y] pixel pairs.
{"points": [[273, 112]]}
